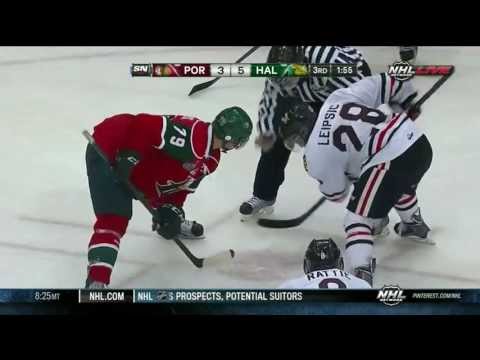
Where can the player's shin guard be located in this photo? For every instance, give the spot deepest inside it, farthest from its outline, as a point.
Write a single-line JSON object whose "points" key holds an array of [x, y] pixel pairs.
{"points": [[406, 206], [359, 245], [104, 246]]}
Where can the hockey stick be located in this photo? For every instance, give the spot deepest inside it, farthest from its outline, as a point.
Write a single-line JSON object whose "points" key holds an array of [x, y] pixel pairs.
{"points": [[433, 89], [198, 262], [207, 84], [281, 224]]}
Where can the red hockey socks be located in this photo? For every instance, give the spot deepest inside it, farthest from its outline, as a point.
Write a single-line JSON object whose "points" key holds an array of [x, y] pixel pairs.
{"points": [[104, 245]]}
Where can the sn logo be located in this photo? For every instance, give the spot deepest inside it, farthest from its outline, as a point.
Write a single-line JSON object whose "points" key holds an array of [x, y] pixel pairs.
{"points": [[140, 68]]}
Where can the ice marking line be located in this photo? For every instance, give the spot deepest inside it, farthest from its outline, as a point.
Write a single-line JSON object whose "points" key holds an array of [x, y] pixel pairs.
{"points": [[73, 224], [74, 57], [149, 268], [82, 254], [144, 270], [430, 274], [99, 55], [217, 222]]}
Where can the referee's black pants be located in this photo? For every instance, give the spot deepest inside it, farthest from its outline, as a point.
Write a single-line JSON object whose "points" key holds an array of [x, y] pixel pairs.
{"points": [[271, 171], [271, 168]]}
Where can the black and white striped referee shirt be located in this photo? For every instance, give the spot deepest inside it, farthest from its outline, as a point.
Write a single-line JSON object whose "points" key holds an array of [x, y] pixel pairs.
{"points": [[275, 101]]}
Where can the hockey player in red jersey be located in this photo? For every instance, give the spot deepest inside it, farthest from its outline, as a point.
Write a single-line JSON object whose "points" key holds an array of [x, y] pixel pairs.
{"points": [[165, 157]]}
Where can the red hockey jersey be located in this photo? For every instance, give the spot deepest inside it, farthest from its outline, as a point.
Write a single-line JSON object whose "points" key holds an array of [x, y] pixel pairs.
{"points": [[174, 151]]}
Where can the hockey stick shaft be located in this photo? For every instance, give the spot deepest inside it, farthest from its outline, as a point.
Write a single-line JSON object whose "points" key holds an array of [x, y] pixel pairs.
{"points": [[209, 83], [198, 262], [283, 224], [433, 89]]}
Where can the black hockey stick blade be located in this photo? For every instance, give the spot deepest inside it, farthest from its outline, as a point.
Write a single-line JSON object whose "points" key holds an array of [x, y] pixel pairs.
{"points": [[207, 84], [202, 86], [282, 224], [198, 262]]}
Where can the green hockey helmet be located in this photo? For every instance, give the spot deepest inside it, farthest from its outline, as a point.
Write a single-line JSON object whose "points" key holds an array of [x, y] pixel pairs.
{"points": [[233, 126]]}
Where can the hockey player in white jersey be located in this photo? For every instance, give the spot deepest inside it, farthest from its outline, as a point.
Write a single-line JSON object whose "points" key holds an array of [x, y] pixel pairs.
{"points": [[384, 155], [323, 267]]}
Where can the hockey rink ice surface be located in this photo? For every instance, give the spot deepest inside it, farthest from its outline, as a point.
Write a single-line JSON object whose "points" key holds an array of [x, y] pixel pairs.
{"points": [[49, 95]]}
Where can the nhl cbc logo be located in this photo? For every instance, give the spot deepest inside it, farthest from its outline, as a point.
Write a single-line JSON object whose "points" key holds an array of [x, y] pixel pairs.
{"points": [[401, 71], [391, 295]]}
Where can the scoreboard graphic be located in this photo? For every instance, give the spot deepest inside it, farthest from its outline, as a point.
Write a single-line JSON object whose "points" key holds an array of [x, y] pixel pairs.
{"points": [[242, 70], [400, 70]]}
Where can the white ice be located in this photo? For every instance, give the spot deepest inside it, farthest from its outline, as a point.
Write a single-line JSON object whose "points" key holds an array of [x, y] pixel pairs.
{"points": [[48, 95]]}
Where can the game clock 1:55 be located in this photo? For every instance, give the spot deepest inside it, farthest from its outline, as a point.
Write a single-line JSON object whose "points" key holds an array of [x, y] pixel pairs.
{"points": [[344, 70]]}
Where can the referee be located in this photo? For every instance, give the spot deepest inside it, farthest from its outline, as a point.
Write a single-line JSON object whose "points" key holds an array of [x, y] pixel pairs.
{"points": [[281, 94]]}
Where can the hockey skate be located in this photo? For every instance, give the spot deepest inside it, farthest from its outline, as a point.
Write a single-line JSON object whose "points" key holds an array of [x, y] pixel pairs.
{"points": [[416, 229], [191, 230], [255, 207], [366, 272]]}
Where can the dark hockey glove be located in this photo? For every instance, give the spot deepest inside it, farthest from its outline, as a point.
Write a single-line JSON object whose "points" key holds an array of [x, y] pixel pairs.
{"points": [[167, 221], [414, 112]]}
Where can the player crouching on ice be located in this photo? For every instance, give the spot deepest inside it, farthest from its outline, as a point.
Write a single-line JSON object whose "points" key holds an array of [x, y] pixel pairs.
{"points": [[384, 154], [165, 157], [323, 268]]}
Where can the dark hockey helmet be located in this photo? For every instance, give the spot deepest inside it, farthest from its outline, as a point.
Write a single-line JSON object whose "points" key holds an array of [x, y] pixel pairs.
{"points": [[322, 254], [233, 126], [286, 55], [297, 124]]}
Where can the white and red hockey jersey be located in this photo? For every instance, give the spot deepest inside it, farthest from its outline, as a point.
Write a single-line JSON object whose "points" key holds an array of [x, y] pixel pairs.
{"points": [[352, 133], [326, 279]]}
